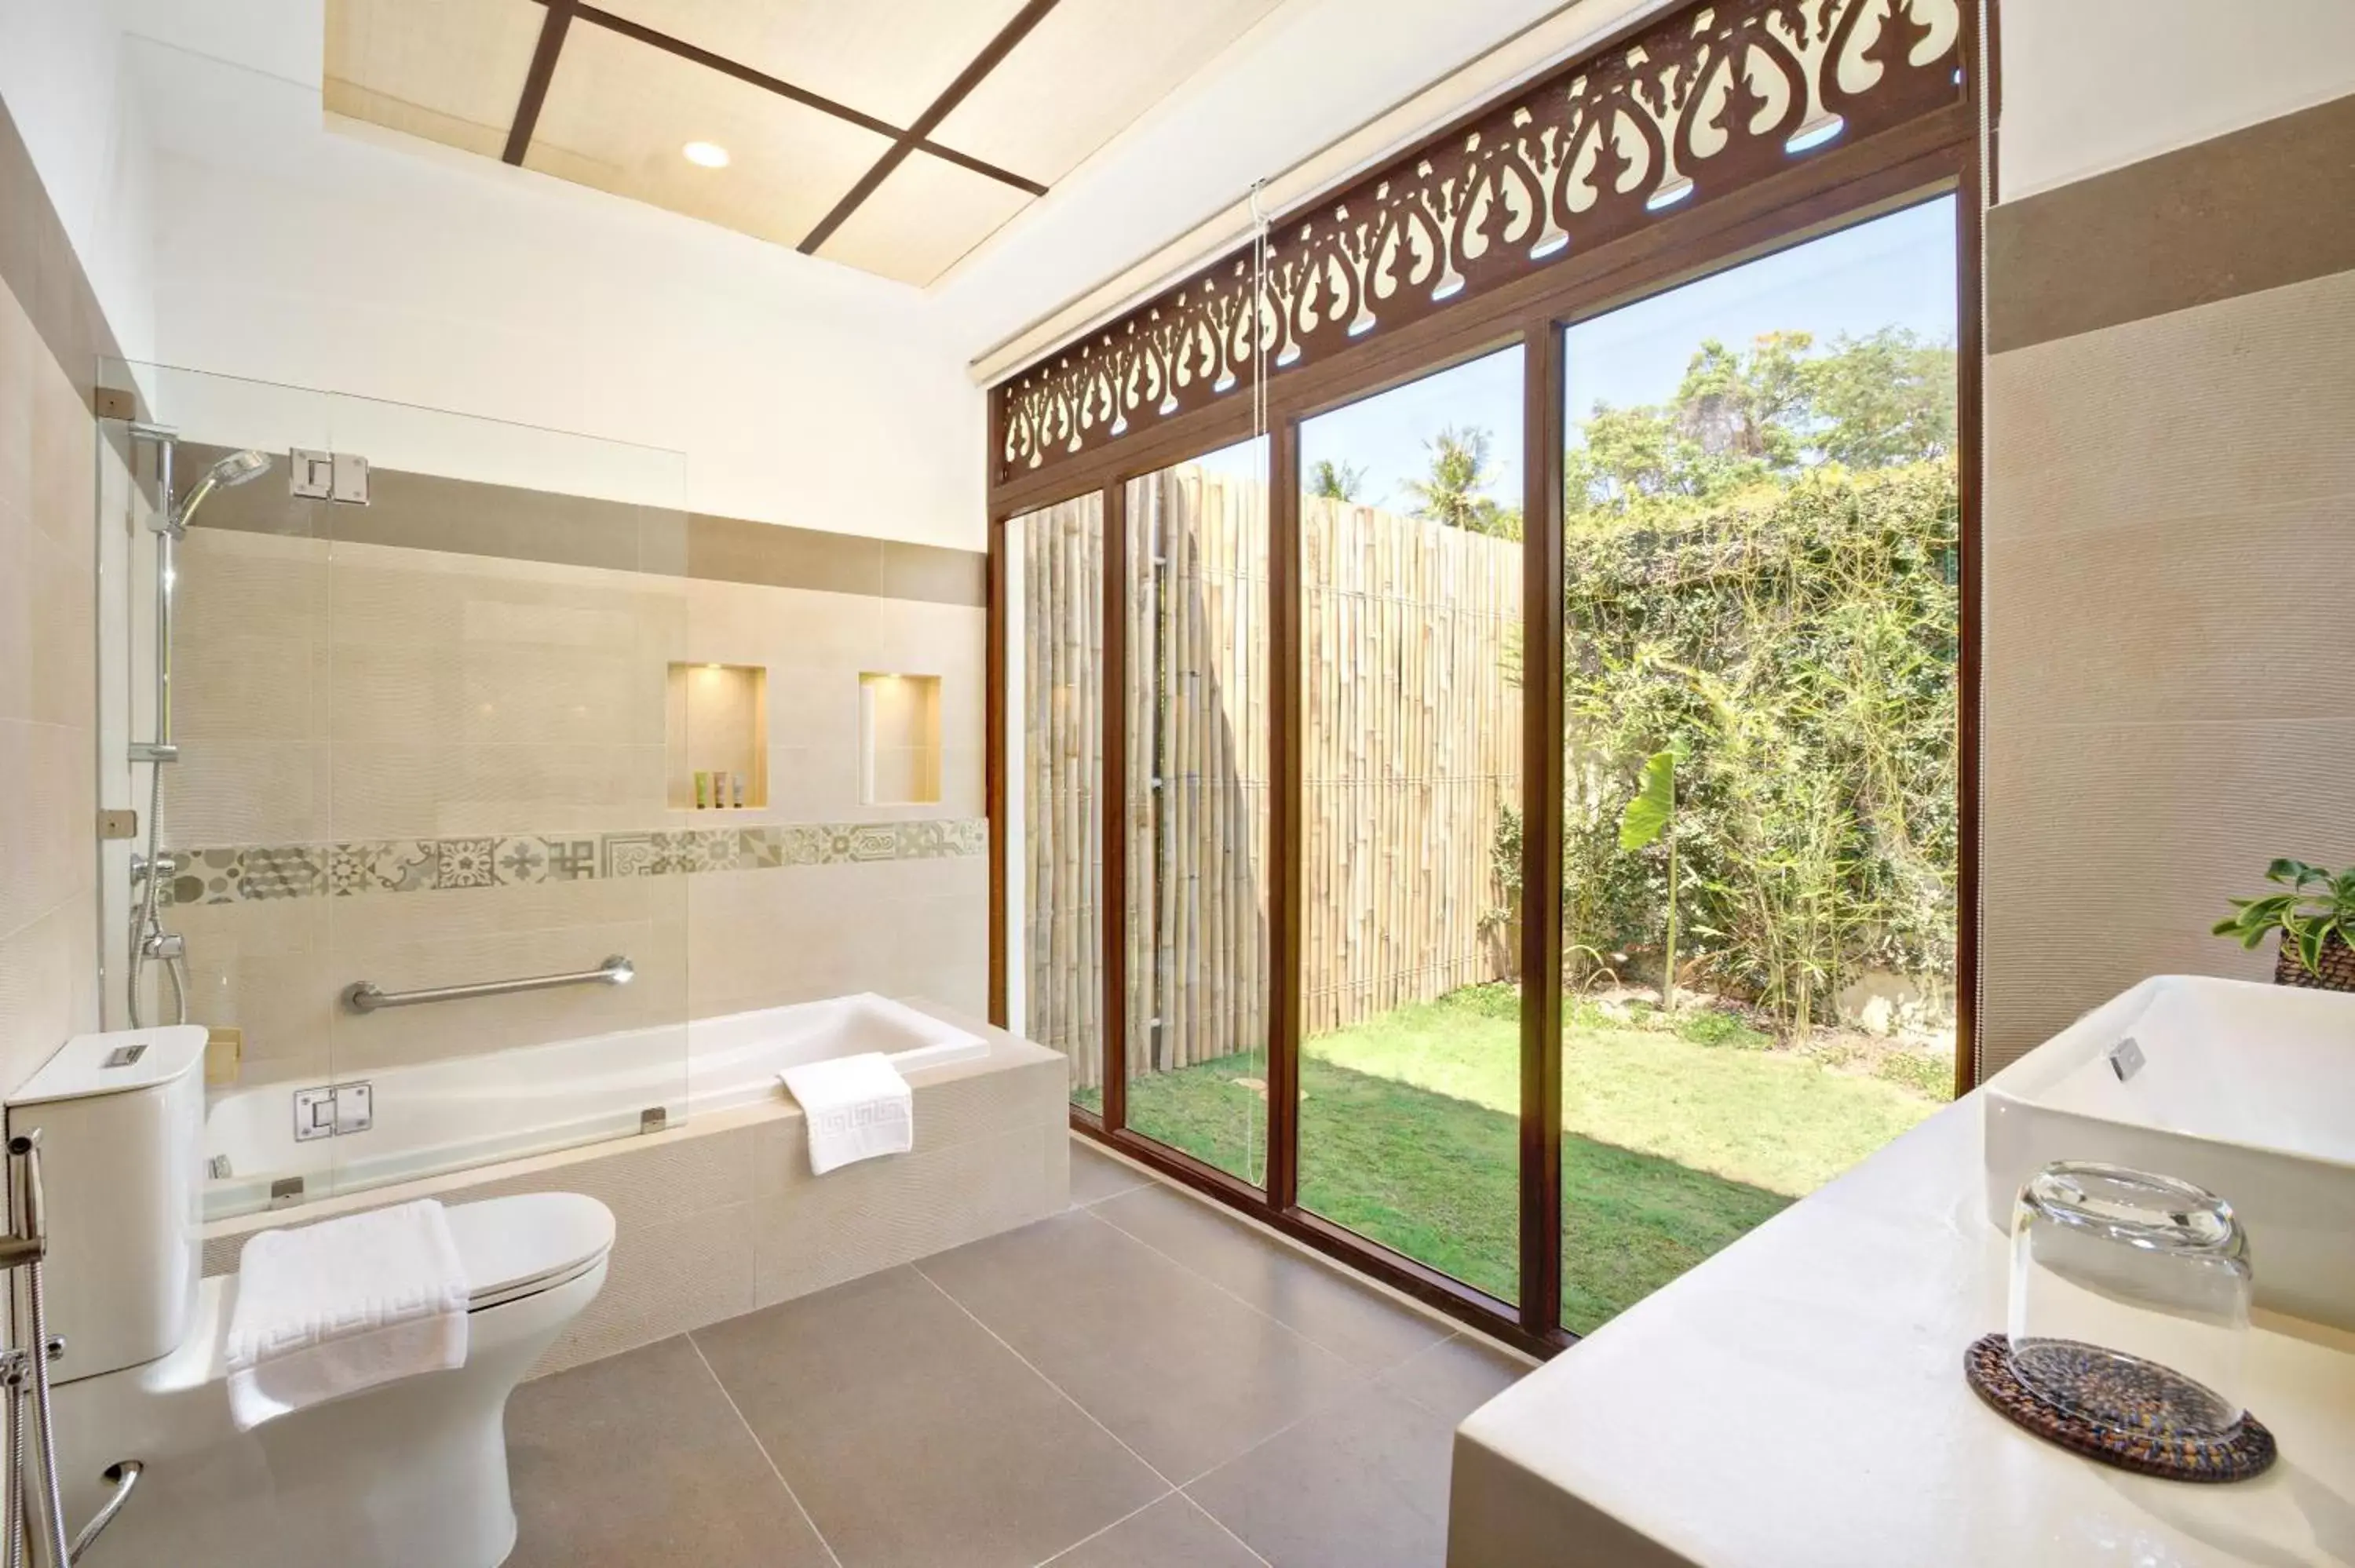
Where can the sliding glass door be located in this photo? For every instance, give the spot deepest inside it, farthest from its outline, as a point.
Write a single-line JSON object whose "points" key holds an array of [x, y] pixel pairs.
{"points": [[1196, 715], [1505, 828], [1052, 589], [1409, 591], [1762, 533]]}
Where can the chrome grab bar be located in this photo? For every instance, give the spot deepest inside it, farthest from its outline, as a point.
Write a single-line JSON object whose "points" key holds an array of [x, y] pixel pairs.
{"points": [[366, 996]]}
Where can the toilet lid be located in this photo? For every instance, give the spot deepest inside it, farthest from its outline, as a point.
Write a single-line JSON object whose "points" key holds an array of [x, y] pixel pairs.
{"points": [[521, 1246]]}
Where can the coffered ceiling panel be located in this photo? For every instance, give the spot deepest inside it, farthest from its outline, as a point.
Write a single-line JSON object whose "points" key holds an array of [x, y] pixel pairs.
{"points": [[1084, 73], [448, 70], [920, 219], [793, 120], [619, 113], [886, 57]]}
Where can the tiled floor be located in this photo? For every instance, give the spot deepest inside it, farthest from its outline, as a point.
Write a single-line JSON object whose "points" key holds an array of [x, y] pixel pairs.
{"points": [[1139, 1382]]}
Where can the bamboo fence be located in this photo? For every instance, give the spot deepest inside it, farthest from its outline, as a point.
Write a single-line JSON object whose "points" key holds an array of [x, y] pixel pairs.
{"points": [[1060, 551], [1411, 748]]}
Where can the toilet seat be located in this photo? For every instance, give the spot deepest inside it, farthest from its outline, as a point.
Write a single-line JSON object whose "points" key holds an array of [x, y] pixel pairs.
{"points": [[521, 1247]]}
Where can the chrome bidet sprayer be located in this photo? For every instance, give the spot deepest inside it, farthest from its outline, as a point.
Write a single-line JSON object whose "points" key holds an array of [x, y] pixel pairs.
{"points": [[23, 1248]]}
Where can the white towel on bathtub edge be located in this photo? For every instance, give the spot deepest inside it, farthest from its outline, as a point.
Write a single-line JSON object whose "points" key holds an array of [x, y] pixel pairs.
{"points": [[344, 1305], [857, 1108]]}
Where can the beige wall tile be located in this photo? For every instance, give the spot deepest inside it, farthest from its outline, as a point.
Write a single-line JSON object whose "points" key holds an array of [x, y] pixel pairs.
{"points": [[428, 789], [46, 847], [251, 585], [225, 792], [2123, 842], [247, 686], [48, 990], [813, 1231], [2177, 616], [64, 458], [650, 1181], [61, 632], [17, 546], [48, 932], [21, 350], [2166, 703], [461, 913], [488, 1024], [2243, 402]]}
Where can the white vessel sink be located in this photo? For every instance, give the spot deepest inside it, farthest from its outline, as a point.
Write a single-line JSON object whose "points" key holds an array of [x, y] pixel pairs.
{"points": [[2247, 1090]]}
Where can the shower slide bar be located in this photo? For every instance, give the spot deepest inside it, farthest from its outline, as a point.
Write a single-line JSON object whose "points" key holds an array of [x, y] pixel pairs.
{"points": [[366, 996]]}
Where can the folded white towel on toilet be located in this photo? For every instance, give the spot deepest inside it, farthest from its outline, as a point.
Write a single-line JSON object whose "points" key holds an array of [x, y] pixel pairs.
{"points": [[343, 1305], [858, 1107]]}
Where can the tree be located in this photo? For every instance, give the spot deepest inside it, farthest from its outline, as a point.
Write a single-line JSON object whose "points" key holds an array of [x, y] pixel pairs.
{"points": [[1740, 420], [1337, 481], [1452, 495]]}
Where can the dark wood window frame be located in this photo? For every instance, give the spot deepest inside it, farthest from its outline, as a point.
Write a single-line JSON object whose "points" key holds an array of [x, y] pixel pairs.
{"points": [[1932, 154]]}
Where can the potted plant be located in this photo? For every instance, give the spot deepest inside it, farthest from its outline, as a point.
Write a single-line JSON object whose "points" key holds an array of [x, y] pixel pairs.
{"points": [[2316, 921]]}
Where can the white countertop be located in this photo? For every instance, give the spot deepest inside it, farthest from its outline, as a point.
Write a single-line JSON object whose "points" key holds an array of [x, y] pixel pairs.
{"points": [[1798, 1402]]}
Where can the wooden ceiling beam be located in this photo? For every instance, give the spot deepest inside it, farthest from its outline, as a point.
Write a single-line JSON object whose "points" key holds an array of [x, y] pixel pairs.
{"points": [[561, 13], [535, 80], [914, 138]]}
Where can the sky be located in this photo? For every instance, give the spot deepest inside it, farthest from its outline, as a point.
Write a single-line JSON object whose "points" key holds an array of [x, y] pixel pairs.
{"points": [[1896, 271]]}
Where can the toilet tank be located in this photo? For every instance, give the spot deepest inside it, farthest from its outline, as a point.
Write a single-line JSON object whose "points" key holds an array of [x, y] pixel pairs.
{"points": [[122, 1118]]}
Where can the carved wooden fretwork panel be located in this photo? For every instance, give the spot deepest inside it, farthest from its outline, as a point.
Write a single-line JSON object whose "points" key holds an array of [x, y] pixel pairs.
{"points": [[1714, 98]]}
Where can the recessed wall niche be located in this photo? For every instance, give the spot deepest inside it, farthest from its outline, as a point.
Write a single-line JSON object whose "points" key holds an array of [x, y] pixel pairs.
{"points": [[716, 737], [900, 739]]}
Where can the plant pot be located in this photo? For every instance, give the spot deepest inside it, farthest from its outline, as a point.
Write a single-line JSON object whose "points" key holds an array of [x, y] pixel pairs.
{"points": [[2337, 966]]}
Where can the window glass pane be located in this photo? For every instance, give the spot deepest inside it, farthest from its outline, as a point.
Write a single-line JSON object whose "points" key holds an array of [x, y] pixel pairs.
{"points": [[1411, 602], [1761, 531], [1197, 807], [1055, 854]]}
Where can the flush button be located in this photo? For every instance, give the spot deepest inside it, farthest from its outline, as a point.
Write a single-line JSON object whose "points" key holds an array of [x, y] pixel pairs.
{"points": [[124, 1055]]}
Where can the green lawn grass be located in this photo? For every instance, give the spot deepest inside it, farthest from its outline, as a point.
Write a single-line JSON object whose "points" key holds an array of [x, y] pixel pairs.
{"points": [[1409, 1135]]}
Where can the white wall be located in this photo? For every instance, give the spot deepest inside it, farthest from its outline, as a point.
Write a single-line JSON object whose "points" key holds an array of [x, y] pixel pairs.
{"points": [[2090, 85], [352, 260], [63, 76], [1309, 74]]}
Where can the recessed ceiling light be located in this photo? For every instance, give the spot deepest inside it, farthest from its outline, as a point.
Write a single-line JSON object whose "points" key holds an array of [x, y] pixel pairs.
{"points": [[709, 154]]}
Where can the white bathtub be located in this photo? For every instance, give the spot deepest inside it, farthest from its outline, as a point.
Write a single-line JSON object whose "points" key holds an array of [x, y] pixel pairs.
{"points": [[462, 1112]]}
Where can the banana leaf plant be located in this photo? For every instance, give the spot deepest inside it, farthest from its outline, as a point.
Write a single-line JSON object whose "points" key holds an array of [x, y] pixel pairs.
{"points": [[2318, 907]]}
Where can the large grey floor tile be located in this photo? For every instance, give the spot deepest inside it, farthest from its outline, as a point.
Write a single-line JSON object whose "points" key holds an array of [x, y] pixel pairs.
{"points": [[1185, 1374], [1361, 1485], [1456, 1377], [1352, 1319], [638, 1460], [1172, 1533], [1096, 1176], [914, 1438]]}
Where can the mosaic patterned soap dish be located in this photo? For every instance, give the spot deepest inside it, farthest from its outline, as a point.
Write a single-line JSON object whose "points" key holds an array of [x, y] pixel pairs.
{"points": [[2115, 1382]]}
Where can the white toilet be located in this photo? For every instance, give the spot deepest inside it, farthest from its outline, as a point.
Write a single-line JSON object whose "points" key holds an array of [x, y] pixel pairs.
{"points": [[407, 1475]]}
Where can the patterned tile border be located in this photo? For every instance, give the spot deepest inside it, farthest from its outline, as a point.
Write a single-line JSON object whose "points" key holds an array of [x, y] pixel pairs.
{"points": [[416, 865]]}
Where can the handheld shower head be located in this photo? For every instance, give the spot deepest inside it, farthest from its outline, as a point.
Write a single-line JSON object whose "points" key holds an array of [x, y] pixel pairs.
{"points": [[232, 471]]}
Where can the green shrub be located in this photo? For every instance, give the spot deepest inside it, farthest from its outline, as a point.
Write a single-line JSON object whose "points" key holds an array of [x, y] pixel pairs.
{"points": [[1714, 1028], [1796, 644], [1918, 1071]]}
